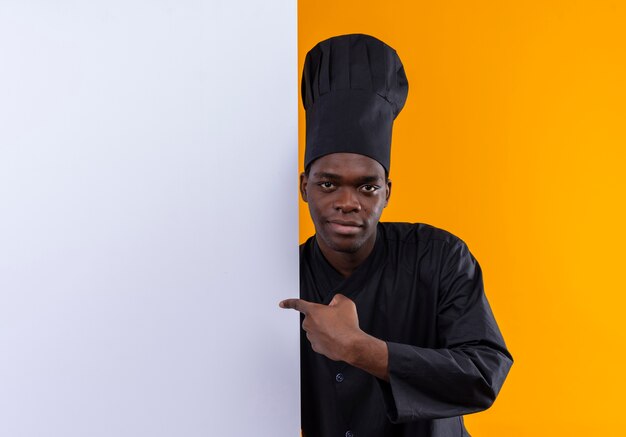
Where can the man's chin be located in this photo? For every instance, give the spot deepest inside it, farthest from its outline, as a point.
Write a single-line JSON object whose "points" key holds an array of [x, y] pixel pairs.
{"points": [[344, 245]]}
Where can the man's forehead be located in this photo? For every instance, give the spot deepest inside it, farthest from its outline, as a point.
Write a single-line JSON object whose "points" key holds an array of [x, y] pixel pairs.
{"points": [[347, 164]]}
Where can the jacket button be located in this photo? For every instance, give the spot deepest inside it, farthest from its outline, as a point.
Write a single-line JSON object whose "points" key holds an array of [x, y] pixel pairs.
{"points": [[339, 378]]}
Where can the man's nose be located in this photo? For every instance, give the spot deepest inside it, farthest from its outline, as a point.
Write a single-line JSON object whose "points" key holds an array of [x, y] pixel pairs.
{"points": [[347, 201]]}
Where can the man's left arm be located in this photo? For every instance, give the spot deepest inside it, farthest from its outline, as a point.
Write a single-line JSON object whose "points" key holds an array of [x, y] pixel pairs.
{"points": [[465, 373]]}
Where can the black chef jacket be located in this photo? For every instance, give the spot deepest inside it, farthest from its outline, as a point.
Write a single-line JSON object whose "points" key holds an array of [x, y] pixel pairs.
{"points": [[421, 291]]}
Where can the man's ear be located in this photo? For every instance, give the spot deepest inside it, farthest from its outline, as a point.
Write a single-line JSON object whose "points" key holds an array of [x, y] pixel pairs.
{"points": [[304, 180], [388, 191]]}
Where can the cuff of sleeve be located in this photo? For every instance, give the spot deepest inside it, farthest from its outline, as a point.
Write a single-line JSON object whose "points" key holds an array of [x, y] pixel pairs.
{"points": [[391, 393]]}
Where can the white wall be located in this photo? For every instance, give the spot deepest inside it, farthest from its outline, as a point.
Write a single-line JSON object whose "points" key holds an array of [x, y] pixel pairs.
{"points": [[148, 218]]}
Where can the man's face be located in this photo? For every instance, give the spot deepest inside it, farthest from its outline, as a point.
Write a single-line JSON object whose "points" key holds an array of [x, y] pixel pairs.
{"points": [[346, 193]]}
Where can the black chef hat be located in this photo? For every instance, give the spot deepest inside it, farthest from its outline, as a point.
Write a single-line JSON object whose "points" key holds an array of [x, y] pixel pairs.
{"points": [[353, 88]]}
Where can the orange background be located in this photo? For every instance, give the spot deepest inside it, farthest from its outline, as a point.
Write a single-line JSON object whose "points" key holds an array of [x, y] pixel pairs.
{"points": [[513, 138]]}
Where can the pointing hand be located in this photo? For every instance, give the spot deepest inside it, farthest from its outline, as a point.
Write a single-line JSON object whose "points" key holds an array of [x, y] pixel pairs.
{"points": [[331, 329]]}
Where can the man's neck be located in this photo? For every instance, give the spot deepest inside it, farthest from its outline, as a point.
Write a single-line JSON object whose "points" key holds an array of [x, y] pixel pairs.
{"points": [[347, 262]]}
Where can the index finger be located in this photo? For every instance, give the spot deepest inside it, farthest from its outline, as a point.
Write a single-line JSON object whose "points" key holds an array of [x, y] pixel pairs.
{"points": [[296, 304]]}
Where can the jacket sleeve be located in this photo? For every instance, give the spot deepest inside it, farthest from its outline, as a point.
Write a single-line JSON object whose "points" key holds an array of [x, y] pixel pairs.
{"points": [[465, 373]]}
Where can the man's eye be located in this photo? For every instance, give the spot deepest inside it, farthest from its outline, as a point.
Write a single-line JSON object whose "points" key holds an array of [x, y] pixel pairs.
{"points": [[369, 188], [326, 185]]}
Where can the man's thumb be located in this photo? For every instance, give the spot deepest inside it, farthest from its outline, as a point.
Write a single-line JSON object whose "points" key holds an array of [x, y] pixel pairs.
{"points": [[337, 299]]}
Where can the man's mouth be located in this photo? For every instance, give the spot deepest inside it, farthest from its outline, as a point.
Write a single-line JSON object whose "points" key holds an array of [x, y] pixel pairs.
{"points": [[345, 227]]}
